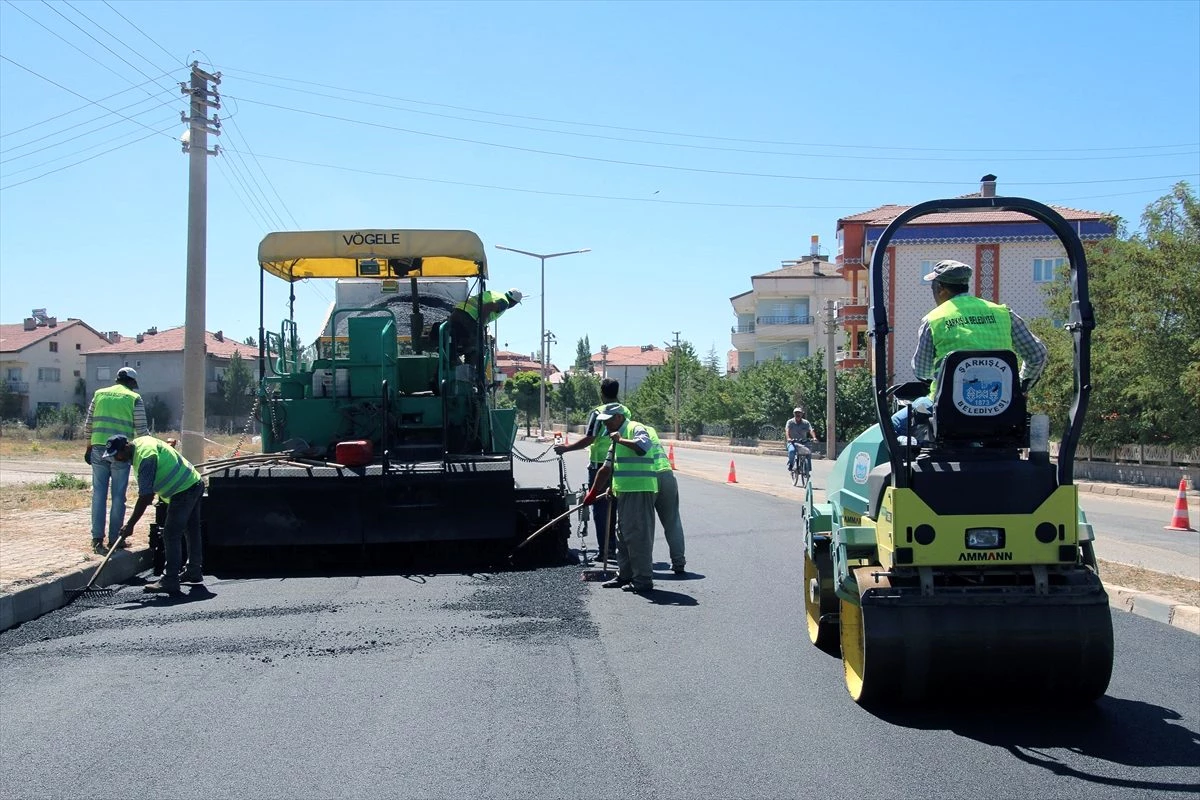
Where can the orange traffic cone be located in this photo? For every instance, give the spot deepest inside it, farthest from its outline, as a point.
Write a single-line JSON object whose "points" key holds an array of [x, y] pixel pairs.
{"points": [[732, 473], [1180, 522], [567, 437], [671, 455]]}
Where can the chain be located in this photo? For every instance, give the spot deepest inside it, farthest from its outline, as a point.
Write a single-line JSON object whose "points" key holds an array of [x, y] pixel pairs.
{"points": [[246, 429], [535, 459]]}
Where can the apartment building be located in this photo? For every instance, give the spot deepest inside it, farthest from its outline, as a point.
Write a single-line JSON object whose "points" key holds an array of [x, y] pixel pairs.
{"points": [[783, 314], [42, 362], [1014, 257]]}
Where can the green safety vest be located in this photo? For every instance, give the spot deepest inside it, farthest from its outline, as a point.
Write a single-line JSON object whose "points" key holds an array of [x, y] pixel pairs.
{"points": [[631, 472], [112, 413], [598, 450], [173, 475], [658, 452], [965, 322], [471, 305]]}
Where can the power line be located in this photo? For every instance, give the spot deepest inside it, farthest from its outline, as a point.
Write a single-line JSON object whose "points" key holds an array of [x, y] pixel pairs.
{"points": [[716, 148], [78, 108], [94, 39], [77, 94], [143, 33], [672, 167], [541, 191], [266, 177], [712, 138], [75, 153], [68, 130], [89, 158]]}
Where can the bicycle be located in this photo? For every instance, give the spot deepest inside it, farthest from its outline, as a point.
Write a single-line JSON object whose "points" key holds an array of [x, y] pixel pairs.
{"points": [[801, 466]]}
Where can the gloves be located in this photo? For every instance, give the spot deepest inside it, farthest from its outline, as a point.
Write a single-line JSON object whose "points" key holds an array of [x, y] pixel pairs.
{"points": [[87, 456]]}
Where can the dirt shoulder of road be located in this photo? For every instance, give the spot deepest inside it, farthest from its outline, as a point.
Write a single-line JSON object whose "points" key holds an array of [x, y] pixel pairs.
{"points": [[1171, 587]]}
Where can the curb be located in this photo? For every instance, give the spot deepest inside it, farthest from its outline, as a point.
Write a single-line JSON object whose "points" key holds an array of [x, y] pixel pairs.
{"points": [[1160, 609], [33, 601]]}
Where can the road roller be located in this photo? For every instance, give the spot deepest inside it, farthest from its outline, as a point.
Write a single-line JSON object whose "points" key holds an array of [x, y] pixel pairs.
{"points": [[954, 562]]}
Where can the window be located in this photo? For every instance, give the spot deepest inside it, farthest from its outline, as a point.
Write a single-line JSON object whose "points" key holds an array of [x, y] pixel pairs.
{"points": [[45, 406], [103, 373], [48, 374], [14, 374], [54, 347], [1044, 269], [76, 373], [78, 346]]}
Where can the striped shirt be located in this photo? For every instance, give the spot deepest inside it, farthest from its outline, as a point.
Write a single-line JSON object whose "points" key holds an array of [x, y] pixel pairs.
{"points": [[1029, 347], [140, 427]]}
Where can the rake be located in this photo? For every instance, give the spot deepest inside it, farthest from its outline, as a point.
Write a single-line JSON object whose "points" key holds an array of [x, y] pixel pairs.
{"points": [[91, 589]]}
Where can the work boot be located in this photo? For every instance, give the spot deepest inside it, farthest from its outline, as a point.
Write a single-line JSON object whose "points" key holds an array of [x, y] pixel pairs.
{"points": [[121, 544], [631, 587], [98, 547], [191, 577], [679, 570], [159, 587], [617, 583]]}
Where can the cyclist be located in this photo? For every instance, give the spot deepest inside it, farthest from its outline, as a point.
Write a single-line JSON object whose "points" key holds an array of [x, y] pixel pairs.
{"points": [[797, 431]]}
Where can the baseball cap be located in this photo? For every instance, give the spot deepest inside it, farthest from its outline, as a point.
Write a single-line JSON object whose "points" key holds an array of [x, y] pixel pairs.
{"points": [[611, 410], [127, 373], [114, 445], [797, 410], [514, 295], [950, 271]]}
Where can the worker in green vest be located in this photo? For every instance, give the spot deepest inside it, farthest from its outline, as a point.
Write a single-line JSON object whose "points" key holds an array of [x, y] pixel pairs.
{"points": [[961, 321], [115, 410], [635, 485], [163, 472], [666, 503], [596, 439], [464, 319]]}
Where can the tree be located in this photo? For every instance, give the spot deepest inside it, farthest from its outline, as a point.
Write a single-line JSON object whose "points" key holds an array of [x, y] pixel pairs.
{"points": [[583, 355], [524, 389], [1145, 293], [237, 386], [712, 361], [250, 341]]}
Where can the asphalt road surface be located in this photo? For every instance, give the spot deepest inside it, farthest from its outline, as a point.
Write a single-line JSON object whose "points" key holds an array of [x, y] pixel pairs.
{"points": [[537, 684]]}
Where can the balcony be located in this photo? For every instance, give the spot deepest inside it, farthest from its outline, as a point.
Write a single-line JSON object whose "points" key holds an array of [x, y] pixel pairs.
{"points": [[17, 387], [742, 336], [852, 315], [848, 359], [785, 327]]}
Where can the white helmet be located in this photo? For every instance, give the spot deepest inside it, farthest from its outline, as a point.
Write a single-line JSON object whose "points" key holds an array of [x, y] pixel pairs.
{"points": [[515, 295]]}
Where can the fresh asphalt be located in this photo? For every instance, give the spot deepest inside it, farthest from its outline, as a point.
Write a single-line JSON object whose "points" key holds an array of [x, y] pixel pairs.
{"points": [[537, 684]]}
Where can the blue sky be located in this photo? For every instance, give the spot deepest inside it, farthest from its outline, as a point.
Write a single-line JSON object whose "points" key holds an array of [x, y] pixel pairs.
{"points": [[689, 145]]}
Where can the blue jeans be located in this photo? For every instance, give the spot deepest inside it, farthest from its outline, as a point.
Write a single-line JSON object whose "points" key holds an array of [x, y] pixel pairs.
{"points": [[791, 448], [108, 477]]}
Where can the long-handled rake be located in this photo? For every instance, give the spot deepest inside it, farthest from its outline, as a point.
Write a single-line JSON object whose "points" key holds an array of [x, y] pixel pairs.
{"points": [[603, 573], [91, 589]]}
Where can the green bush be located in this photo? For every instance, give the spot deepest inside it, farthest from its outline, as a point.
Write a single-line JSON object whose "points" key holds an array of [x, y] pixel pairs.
{"points": [[64, 481]]}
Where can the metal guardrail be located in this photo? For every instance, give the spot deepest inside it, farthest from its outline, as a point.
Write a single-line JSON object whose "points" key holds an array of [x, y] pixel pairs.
{"points": [[18, 387], [784, 320], [742, 328]]}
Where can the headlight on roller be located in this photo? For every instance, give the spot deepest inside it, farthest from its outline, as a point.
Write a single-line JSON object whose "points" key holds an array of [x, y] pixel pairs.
{"points": [[985, 538]]}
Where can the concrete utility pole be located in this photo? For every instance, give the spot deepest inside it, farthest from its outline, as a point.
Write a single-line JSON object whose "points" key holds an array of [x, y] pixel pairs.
{"points": [[830, 381], [195, 144], [549, 337], [542, 258], [675, 354]]}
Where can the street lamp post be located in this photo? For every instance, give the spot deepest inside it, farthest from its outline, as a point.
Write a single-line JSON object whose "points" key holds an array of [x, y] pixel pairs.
{"points": [[542, 338]]}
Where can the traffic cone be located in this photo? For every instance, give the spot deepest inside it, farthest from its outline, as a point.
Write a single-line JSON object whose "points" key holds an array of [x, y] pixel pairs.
{"points": [[732, 473], [567, 437], [671, 455], [1180, 521]]}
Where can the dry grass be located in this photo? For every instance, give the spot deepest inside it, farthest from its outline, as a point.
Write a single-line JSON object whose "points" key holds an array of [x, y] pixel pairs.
{"points": [[23, 498], [1172, 587], [25, 443]]}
